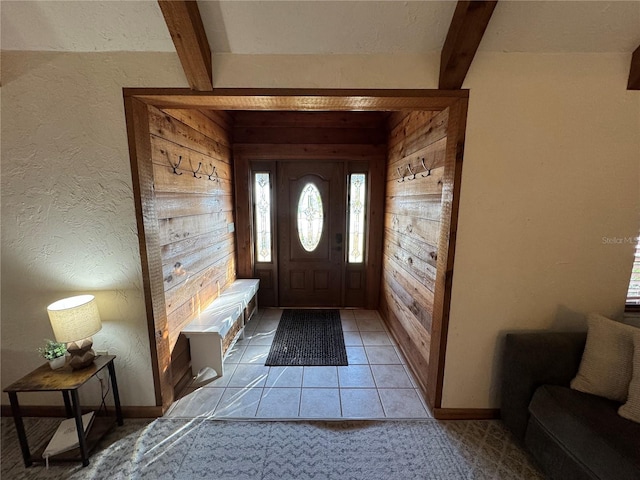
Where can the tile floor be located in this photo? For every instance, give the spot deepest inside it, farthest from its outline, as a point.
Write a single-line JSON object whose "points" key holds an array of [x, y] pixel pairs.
{"points": [[377, 384]]}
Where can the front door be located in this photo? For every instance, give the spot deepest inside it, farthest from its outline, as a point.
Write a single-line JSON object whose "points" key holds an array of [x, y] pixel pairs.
{"points": [[311, 222]]}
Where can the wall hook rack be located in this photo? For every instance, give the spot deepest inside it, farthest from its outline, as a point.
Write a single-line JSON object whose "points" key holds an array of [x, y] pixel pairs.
{"points": [[175, 167], [213, 172], [428, 170], [196, 170]]}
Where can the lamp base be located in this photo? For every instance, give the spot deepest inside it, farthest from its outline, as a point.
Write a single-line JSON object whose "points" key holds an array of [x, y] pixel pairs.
{"points": [[82, 354]]}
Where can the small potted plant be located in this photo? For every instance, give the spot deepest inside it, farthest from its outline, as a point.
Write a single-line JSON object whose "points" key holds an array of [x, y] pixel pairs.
{"points": [[55, 352]]}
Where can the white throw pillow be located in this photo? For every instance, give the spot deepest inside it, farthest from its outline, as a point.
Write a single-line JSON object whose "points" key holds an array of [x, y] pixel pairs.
{"points": [[605, 368], [631, 409]]}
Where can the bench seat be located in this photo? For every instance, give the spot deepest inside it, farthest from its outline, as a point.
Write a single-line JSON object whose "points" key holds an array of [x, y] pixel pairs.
{"points": [[215, 330]]}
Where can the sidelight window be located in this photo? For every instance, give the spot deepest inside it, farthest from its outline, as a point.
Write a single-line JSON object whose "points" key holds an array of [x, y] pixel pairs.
{"points": [[357, 199], [262, 216], [310, 217]]}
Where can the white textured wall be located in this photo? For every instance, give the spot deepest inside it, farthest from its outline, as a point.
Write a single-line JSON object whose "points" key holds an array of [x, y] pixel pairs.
{"points": [[551, 170], [68, 218]]}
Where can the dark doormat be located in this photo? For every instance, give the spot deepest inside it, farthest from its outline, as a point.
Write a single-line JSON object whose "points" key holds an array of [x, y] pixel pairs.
{"points": [[308, 337]]}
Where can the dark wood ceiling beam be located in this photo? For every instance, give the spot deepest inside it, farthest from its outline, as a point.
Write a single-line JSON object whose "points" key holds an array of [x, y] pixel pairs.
{"points": [[634, 71], [468, 25], [190, 39]]}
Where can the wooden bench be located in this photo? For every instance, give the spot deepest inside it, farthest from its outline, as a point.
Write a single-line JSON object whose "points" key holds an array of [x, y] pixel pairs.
{"points": [[217, 328]]}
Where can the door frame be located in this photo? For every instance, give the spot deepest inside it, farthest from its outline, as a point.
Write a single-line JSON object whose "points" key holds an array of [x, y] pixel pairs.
{"points": [[137, 101], [264, 157]]}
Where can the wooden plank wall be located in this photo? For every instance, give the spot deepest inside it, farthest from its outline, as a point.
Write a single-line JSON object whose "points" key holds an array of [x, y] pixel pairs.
{"points": [[411, 231], [194, 208], [263, 138]]}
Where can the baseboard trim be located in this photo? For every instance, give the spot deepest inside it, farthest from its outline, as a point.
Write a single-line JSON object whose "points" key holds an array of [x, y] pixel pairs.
{"points": [[466, 413], [59, 411]]}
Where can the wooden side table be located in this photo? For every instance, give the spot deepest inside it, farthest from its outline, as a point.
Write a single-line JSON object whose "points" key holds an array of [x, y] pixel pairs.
{"points": [[67, 381]]}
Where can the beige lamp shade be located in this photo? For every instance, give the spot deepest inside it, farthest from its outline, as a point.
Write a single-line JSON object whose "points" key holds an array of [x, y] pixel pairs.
{"points": [[74, 318]]}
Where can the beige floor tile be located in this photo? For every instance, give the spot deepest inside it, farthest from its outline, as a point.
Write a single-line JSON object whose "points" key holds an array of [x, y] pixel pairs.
{"points": [[239, 403], [355, 376], [255, 354], [279, 403], [375, 338], [199, 403], [248, 375], [391, 376], [385, 355], [321, 377], [402, 403], [357, 356], [320, 403], [285, 377], [352, 339], [361, 403]]}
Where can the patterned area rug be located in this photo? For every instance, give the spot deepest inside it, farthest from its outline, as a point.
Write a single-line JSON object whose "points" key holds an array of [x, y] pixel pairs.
{"points": [[257, 450], [310, 338]]}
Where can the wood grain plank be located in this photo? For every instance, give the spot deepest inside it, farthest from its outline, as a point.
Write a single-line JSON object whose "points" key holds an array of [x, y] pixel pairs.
{"points": [[164, 126], [186, 266], [407, 124], [411, 248], [425, 206], [419, 186], [176, 204], [433, 131], [306, 135], [420, 312], [190, 39], [309, 119], [433, 156], [469, 22], [187, 183], [185, 160], [202, 123], [426, 231], [179, 228]]}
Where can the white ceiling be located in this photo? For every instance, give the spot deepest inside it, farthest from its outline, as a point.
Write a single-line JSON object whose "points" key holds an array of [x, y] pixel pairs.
{"points": [[320, 27]]}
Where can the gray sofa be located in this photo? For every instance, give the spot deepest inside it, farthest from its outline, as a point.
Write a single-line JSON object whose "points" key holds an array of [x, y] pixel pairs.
{"points": [[572, 435]]}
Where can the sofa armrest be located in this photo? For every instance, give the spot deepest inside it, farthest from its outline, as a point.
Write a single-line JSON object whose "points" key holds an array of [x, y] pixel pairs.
{"points": [[531, 360]]}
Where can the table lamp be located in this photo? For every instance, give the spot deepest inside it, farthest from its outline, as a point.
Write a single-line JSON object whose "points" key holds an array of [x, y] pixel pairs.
{"points": [[74, 321]]}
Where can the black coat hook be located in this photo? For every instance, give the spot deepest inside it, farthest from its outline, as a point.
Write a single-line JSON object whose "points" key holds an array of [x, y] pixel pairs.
{"points": [[400, 176], [213, 172], [196, 170], [428, 170], [411, 172], [175, 167]]}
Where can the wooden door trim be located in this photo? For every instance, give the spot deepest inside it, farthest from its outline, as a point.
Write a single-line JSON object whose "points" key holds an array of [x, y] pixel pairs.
{"points": [[293, 100]]}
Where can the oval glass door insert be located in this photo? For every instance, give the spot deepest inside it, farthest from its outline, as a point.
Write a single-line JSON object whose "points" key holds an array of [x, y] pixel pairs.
{"points": [[310, 217]]}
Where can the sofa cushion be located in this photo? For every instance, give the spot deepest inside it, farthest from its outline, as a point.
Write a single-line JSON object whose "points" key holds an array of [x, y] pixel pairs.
{"points": [[631, 409], [605, 368], [590, 430]]}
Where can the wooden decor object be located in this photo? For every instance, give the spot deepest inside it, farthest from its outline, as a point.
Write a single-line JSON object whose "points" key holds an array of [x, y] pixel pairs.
{"points": [[468, 25], [189, 37]]}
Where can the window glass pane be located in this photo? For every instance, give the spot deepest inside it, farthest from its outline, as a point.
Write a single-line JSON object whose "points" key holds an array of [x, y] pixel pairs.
{"points": [[310, 217], [262, 195], [357, 190]]}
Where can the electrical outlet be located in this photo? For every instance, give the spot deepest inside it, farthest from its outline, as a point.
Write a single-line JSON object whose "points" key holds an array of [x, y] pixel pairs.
{"points": [[102, 352]]}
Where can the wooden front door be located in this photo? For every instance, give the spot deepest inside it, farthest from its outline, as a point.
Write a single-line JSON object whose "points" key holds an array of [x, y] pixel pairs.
{"points": [[311, 223]]}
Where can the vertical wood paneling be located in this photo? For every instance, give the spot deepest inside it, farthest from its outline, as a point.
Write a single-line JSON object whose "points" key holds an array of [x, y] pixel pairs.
{"points": [[412, 236], [195, 209]]}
